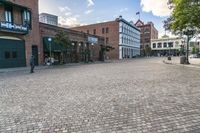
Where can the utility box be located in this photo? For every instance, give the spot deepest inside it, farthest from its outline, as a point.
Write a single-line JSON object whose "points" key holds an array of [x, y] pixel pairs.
{"points": [[182, 60]]}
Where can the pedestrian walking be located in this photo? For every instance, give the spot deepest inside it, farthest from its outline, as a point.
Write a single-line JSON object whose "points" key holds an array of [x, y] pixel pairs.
{"points": [[32, 64]]}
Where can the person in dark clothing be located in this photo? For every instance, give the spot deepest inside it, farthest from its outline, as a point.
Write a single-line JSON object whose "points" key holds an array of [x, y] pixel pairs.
{"points": [[32, 64]]}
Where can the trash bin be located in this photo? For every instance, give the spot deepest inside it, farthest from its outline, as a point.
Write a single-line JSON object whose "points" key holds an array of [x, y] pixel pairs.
{"points": [[182, 60], [169, 58]]}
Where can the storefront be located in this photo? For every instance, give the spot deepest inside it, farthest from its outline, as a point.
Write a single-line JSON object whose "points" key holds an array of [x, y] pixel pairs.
{"points": [[51, 49], [82, 48]]}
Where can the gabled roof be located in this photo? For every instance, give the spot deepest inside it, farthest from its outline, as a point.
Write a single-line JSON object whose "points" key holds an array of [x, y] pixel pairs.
{"points": [[139, 23]]}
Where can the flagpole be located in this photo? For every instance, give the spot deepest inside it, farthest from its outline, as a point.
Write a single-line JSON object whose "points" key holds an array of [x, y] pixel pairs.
{"points": [[138, 13]]}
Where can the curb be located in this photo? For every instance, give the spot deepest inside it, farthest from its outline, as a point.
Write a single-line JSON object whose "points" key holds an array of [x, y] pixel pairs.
{"points": [[183, 65], [9, 70]]}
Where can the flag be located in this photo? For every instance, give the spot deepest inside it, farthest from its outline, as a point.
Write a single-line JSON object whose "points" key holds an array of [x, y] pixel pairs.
{"points": [[137, 13]]}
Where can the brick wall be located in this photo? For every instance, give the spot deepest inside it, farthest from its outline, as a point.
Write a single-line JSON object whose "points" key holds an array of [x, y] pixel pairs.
{"points": [[113, 35], [146, 38], [47, 30], [33, 37]]}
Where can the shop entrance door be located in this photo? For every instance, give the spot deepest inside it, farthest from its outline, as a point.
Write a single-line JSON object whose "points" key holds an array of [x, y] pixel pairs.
{"points": [[35, 53]]}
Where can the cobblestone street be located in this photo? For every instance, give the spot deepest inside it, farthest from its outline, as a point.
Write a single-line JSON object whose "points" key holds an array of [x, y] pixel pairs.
{"points": [[136, 96]]}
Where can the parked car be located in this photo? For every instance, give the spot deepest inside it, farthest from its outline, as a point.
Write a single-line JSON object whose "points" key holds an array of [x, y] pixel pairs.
{"points": [[193, 56]]}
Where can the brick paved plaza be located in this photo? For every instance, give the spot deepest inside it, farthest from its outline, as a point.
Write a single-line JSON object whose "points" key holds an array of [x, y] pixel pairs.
{"points": [[138, 96]]}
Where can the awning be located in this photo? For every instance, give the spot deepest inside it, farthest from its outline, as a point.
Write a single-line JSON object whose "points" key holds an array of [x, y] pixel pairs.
{"points": [[53, 46]]}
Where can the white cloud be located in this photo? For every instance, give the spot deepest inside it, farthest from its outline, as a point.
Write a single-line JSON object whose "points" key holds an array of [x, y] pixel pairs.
{"points": [[90, 3], [123, 10], [88, 11], [157, 7], [68, 13], [63, 9], [69, 21]]}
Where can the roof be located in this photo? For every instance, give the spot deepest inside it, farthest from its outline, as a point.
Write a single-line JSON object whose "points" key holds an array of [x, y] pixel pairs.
{"points": [[166, 39], [47, 14], [54, 27], [117, 20], [139, 23], [128, 23]]}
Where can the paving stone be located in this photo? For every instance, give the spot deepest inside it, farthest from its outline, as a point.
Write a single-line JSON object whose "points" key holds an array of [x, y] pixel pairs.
{"points": [[135, 96]]}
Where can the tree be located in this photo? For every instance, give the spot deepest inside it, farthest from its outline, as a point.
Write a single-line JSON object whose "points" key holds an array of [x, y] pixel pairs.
{"points": [[103, 51], [148, 51], [193, 50], [184, 13], [62, 39]]}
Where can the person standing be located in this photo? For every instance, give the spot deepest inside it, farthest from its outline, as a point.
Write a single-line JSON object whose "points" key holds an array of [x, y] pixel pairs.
{"points": [[32, 64]]}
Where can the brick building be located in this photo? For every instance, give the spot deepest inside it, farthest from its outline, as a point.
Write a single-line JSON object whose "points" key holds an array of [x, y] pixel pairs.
{"points": [[120, 34], [148, 32], [82, 43], [19, 33]]}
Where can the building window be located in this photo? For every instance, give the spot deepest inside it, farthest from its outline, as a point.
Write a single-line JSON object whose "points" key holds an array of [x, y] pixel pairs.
{"points": [[10, 55], [154, 45], [26, 18], [103, 30], [7, 55], [88, 32], [165, 45], [8, 14], [107, 40], [159, 45], [107, 30], [146, 30], [170, 44], [122, 52], [94, 31]]}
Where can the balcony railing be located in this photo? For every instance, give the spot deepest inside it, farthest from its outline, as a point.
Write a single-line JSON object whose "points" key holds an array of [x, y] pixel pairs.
{"points": [[14, 28]]}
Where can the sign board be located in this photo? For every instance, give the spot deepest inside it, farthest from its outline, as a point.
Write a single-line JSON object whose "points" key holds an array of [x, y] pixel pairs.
{"points": [[13, 27], [93, 40]]}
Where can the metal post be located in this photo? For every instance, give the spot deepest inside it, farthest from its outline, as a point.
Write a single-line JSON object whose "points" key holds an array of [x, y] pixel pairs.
{"points": [[50, 40], [50, 49], [187, 51], [92, 52]]}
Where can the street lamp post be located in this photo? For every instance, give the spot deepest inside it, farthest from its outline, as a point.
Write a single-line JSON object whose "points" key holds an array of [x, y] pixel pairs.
{"points": [[189, 33], [92, 52], [50, 40]]}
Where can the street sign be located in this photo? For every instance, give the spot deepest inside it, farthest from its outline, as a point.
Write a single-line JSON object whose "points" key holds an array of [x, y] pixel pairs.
{"points": [[93, 40]]}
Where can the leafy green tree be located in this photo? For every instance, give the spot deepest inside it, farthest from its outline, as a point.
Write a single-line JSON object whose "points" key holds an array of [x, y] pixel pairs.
{"points": [[103, 51], [193, 50], [184, 13], [148, 51], [63, 40]]}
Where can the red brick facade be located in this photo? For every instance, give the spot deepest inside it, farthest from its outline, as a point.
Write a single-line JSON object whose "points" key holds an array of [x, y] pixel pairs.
{"points": [[148, 32], [32, 38], [108, 30], [79, 39]]}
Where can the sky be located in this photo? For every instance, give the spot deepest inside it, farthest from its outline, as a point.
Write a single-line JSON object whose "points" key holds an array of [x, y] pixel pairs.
{"points": [[82, 12]]}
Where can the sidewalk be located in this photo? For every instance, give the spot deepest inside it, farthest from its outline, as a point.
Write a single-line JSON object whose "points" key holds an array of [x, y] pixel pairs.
{"points": [[194, 62], [6, 70]]}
